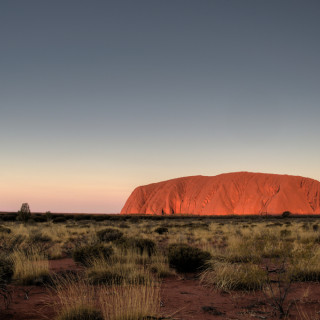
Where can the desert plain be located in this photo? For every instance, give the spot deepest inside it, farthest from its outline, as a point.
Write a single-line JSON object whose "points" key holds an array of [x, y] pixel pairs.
{"points": [[63, 267]]}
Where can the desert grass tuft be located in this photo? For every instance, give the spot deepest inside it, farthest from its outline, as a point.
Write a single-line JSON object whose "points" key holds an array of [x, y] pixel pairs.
{"points": [[227, 276], [130, 301], [117, 270], [159, 265], [305, 265], [29, 266], [75, 298]]}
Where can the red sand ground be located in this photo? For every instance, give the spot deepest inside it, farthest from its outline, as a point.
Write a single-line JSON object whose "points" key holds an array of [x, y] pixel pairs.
{"points": [[182, 298], [231, 193]]}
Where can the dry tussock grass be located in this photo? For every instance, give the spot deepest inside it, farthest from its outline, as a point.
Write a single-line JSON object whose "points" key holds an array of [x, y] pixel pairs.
{"points": [[75, 296], [29, 266]]}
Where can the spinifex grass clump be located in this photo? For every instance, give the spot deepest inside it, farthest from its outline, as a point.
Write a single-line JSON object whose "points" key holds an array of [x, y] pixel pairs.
{"points": [[305, 264], [86, 254], [125, 266], [116, 272], [159, 264], [185, 258], [55, 252], [242, 250], [230, 276], [76, 299], [130, 301], [30, 266], [38, 237]]}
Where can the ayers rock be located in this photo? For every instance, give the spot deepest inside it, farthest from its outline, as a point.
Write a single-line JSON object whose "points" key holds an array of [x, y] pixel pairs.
{"points": [[224, 194]]}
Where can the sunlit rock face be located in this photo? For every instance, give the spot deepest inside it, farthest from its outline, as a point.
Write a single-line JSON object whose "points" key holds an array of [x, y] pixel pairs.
{"points": [[231, 193]]}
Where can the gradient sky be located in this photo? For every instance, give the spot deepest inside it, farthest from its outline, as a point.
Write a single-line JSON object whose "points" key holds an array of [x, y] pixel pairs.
{"points": [[98, 97]]}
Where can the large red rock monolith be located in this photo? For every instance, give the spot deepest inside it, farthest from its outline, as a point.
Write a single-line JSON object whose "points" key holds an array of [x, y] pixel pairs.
{"points": [[231, 193]]}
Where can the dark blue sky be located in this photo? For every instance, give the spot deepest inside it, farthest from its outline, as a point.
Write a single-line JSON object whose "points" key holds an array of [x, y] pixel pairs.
{"points": [[97, 97]]}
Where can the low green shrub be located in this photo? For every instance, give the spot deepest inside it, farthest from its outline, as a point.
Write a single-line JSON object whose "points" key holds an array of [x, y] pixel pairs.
{"points": [[86, 254], [185, 258], [109, 234]]}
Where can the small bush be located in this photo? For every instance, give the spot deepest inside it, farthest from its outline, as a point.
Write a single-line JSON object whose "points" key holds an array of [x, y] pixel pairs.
{"points": [[161, 230], [315, 227], [87, 253], [109, 234], [24, 213], [48, 216], [286, 214], [185, 258]]}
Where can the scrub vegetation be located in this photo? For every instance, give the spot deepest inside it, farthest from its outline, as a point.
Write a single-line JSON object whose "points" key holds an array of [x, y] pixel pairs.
{"points": [[123, 260]]}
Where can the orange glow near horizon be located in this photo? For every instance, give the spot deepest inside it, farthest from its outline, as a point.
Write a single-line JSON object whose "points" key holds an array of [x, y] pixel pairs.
{"points": [[71, 193], [63, 198]]}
